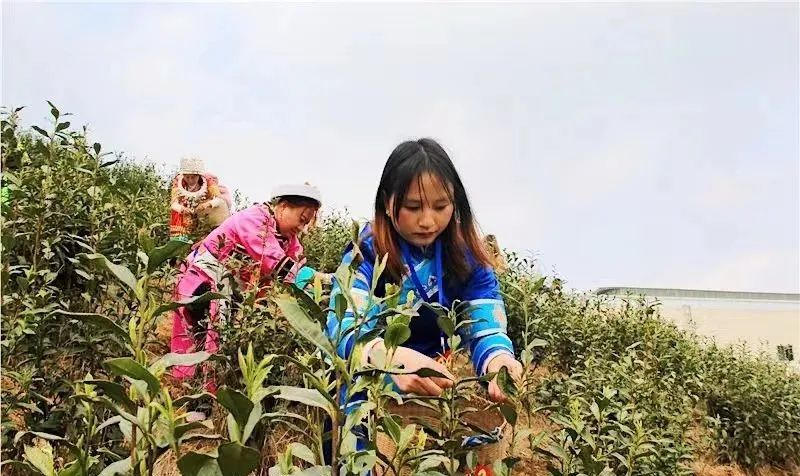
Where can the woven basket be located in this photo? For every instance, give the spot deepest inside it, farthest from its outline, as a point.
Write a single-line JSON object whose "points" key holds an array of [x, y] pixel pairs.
{"points": [[411, 412], [214, 217]]}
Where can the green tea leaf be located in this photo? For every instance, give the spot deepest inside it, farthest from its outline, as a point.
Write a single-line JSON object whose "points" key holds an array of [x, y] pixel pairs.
{"points": [[509, 412], [305, 396], [114, 392], [303, 452], [181, 430], [199, 464], [145, 241], [427, 373], [357, 417], [173, 359], [472, 460], [506, 382], [237, 404], [392, 428], [121, 467], [253, 420], [340, 305], [595, 409], [115, 420], [75, 468], [128, 367], [157, 256], [446, 325], [179, 402], [46, 436], [99, 321], [196, 301], [537, 343], [308, 304], [41, 458], [237, 460], [40, 131], [53, 110], [304, 325], [120, 272], [396, 334]]}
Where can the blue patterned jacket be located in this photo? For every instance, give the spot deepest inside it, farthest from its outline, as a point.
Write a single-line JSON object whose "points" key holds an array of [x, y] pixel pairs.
{"points": [[484, 339]]}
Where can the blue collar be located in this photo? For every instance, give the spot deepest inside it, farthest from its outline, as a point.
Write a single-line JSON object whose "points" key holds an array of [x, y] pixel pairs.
{"points": [[437, 263]]}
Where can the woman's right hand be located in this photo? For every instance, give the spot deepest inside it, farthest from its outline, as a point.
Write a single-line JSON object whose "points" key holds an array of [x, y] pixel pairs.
{"points": [[411, 361], [325, 278]]}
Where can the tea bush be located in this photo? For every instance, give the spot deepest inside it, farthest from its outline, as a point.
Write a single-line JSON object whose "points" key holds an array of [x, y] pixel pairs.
{"points": [[625, 391], [746, 404], [325, 242], [66, 197]]}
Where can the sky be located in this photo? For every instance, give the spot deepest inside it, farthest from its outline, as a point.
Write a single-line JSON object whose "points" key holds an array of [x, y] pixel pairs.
{"points": [[619, 144]]}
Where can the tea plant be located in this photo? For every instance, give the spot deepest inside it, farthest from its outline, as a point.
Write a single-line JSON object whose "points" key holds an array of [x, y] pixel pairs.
{"points": [[675, 381], [65, 197], [624, 391]]}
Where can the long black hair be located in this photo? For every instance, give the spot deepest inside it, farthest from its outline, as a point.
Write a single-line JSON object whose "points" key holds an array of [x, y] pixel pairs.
{"points": [[408, 162]]}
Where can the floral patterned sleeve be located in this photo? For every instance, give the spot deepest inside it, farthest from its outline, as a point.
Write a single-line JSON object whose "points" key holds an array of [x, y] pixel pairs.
{"points": [[175, 204], [214, 193]]}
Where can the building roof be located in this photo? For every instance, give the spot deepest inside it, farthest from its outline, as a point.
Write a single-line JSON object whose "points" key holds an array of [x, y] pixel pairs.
{"points": [[698, 293]]}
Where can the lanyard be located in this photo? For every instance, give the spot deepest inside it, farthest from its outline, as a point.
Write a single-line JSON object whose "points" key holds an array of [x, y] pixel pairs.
{"points": [[437, 268]]}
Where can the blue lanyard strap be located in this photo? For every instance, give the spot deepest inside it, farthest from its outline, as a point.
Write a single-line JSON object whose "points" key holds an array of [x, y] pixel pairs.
{"points": [[437, 263], [439, 272]]}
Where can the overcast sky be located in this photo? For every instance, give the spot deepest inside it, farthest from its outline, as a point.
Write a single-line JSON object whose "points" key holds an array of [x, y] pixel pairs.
{"points": [[621, 144]]}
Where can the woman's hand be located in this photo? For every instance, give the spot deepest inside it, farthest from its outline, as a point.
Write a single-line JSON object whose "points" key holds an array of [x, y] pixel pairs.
{"points": [[203, 206], [497, 363], [324, 278], [411, 360]]}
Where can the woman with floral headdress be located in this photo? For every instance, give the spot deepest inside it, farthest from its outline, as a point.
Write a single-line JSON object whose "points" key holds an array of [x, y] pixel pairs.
{"points": [[196, 195]]}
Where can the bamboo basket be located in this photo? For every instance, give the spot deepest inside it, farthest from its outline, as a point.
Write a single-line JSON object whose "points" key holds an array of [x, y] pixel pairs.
{"points": [[214, 217], [487, 420]]}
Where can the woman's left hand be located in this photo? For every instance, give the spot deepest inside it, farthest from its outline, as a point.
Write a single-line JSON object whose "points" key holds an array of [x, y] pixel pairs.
{"points": [[514, 369], [325, 278]]}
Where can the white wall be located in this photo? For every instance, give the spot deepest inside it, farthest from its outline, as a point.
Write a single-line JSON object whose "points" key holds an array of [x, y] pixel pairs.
{"points": [[761, 324]]}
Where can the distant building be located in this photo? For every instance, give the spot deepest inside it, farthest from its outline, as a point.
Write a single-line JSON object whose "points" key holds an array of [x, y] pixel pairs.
{"points": [[764, 321]]}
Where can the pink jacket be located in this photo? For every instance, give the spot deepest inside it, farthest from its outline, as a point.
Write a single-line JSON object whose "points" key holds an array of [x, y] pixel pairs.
{"points": [[253, 231]]}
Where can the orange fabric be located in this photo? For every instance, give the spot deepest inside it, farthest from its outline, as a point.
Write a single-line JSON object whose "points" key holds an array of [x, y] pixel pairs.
{"points": [[184, 224]]}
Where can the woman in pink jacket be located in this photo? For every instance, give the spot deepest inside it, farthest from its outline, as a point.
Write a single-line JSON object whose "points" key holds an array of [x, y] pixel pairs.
{"points": [[263, 236]]}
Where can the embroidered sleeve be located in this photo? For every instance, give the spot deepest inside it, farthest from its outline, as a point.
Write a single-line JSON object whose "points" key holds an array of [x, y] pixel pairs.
{"points": [[360, 293], [256, 235], [175, 204], [487, 337]]}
